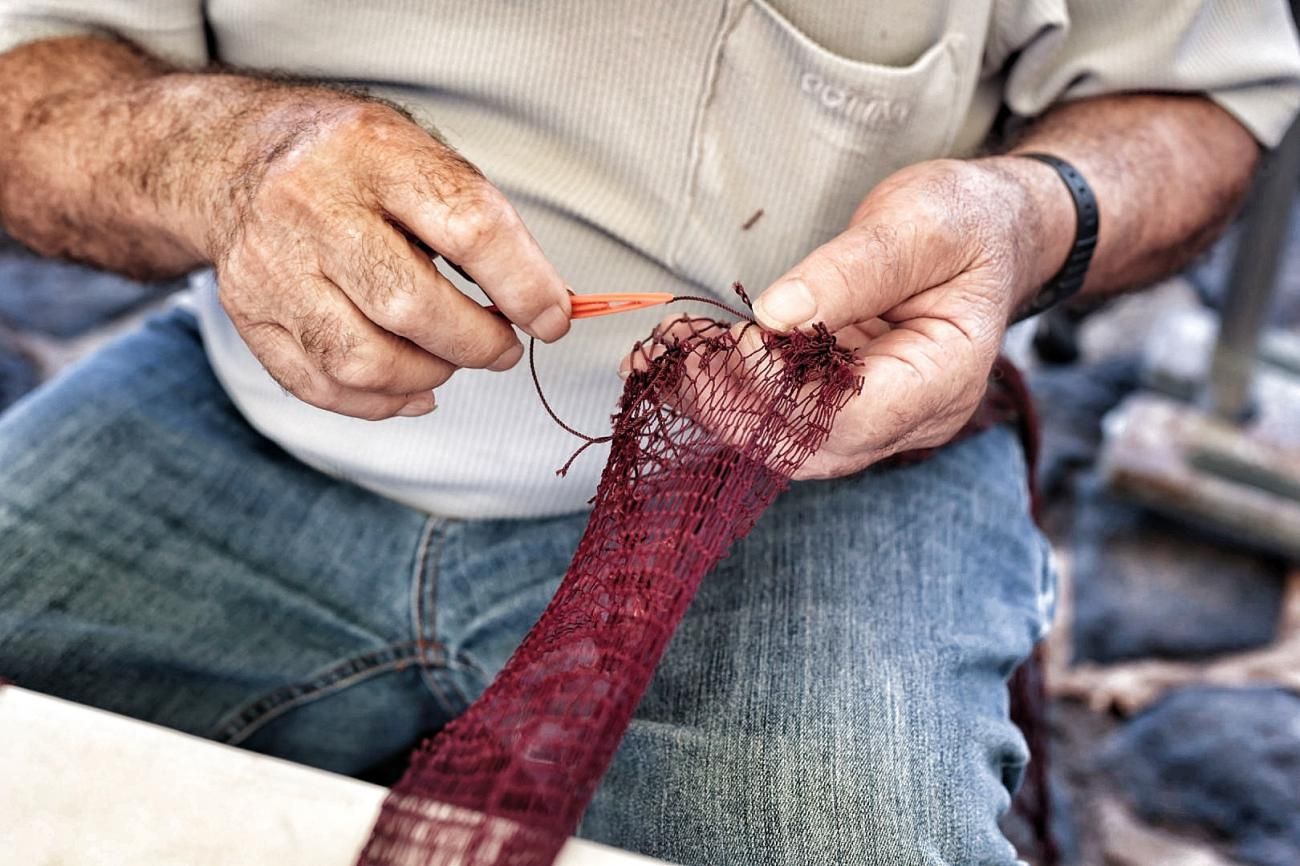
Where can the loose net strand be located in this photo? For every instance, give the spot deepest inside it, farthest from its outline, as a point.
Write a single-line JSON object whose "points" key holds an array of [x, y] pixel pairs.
{"points": [[710, 429], [588, 441]]}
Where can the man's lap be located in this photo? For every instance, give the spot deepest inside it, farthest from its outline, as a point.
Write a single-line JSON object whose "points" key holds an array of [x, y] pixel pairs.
{"points": [[846, 664], [834, 695]]}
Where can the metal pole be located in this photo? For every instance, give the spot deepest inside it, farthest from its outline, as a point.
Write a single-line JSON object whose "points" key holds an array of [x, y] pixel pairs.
{"points": [[1252, 281]]}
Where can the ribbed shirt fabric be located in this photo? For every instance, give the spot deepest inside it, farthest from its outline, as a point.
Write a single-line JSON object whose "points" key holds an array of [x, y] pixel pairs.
{"points": [[638, 140]]}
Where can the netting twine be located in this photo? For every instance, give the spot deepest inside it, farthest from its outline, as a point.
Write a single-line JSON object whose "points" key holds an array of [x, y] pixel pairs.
{"points": [[713, 422]]}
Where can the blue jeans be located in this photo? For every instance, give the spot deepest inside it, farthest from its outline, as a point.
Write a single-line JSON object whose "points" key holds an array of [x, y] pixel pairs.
{"points": [[836, 695]]}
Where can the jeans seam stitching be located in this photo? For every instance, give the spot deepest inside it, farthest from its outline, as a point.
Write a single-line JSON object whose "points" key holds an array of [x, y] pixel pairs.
{"points": [[240, 723], [424, 583]]}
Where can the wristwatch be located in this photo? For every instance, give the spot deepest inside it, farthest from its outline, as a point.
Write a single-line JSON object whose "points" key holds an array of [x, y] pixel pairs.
{"points": [[1069, 279]]}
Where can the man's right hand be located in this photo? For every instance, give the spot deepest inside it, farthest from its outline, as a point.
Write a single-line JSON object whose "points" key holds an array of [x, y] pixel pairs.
{"points": [[321, 211], [321, 232]]}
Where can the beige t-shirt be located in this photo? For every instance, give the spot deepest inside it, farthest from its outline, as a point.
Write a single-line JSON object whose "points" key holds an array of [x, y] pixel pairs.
{"points": [[639, 139]]}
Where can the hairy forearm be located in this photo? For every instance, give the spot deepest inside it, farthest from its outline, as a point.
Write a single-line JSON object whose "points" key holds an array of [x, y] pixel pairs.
{"points": [[119, 160], [90, 173], [1169, 173]]}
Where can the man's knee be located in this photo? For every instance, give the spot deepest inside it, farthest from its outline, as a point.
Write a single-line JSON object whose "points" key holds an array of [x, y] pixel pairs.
{"points": [[880, 792]]}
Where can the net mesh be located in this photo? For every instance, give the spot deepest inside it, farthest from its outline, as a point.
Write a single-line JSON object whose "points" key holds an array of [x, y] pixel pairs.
{"points": [[713, 422]]}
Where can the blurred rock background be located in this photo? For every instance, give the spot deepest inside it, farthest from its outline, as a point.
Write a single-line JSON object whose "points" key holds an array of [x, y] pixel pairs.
{"points": [[1147, 769], [1174, 670]]}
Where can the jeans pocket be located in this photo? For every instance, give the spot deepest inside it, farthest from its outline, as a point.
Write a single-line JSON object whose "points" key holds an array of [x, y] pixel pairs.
{"points": [[803, 133]]}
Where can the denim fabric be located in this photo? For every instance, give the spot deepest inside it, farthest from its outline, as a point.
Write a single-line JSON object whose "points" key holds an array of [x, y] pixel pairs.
{"points": [[836, 695]]}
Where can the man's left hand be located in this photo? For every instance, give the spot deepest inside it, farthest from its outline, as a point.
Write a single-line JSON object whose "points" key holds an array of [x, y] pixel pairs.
{"points": [[923, 284]]}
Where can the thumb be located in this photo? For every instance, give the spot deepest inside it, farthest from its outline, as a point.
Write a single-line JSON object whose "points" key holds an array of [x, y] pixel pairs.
{"points": [[858, 275], [851, 278]]}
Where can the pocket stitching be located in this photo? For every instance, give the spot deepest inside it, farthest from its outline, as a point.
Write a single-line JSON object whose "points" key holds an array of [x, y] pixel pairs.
{"points": [[247, 718], [940, 45]]}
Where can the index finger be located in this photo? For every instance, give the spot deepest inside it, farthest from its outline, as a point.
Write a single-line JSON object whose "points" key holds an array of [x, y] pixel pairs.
{"points": [[454, 210]]}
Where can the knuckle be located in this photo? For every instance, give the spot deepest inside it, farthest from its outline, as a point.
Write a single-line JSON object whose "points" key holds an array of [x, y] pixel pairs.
{"points": [[362, 125], [317, 335], [443, 173], [474, 347], [477, 221], [366, 368], [330, 345], [387, 280], [399, 311]]}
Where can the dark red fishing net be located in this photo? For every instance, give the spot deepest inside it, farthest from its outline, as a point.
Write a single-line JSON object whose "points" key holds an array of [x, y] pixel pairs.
{"points": [[712, 424]]}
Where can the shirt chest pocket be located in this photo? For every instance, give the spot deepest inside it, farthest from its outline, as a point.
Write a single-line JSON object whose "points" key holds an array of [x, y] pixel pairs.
{"points": [[802, 134]]}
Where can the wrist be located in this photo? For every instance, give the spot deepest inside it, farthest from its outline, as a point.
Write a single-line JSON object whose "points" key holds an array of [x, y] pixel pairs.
{"points": [[1045, 220], [197, 146]]}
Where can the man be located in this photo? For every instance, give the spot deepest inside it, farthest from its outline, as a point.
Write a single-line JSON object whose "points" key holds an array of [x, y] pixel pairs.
{"points": [[246, 520]]}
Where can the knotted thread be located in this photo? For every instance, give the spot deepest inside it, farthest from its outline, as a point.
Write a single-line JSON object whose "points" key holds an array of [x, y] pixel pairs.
{"points": [[588, 441], [713, 422]]}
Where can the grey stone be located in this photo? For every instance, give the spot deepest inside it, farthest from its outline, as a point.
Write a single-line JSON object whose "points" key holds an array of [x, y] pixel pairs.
{"points": [[1220, 761], [63, 299], [18, 373], [1146, 586], [1071, 401]]}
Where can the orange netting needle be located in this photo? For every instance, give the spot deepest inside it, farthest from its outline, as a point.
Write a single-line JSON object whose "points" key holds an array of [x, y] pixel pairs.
{"points": [[589, 306]]}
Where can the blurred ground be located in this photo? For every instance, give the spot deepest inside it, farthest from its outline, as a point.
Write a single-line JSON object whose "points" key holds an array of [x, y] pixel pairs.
{"points": [[1148, 769], [1175, 712]]}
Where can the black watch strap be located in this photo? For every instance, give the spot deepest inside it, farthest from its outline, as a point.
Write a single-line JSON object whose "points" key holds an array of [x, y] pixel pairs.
{"points": [[1069, 279]]}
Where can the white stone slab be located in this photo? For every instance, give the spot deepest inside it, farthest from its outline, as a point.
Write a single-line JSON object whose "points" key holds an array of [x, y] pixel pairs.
{"points": [[81, 787]]}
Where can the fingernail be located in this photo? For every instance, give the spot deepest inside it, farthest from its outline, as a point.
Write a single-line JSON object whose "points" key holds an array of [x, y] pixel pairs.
{"points": [[421, 405], [508, 358], [785, 306], [550, 325]]}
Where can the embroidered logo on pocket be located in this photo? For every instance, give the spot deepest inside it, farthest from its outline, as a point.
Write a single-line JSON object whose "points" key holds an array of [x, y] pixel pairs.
{"points": [[871, 109]]}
